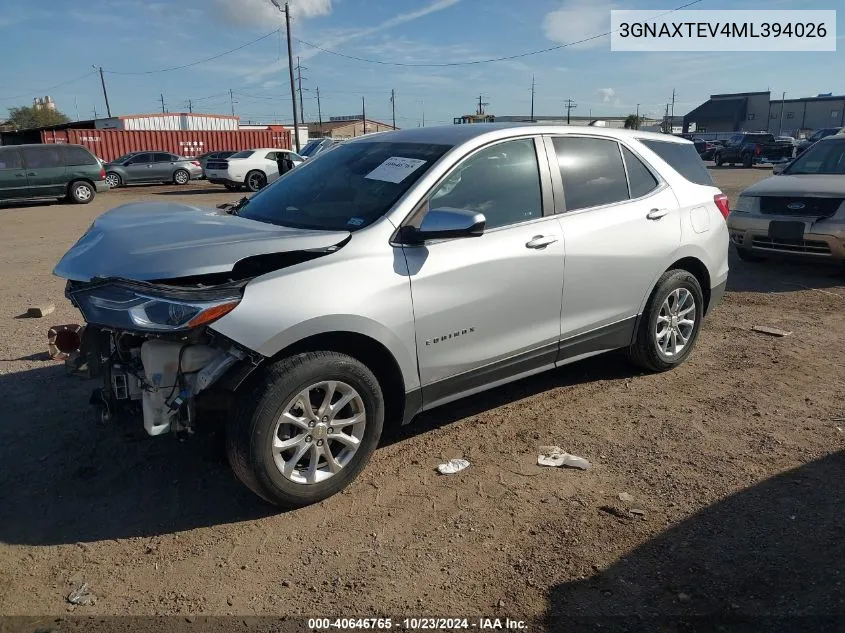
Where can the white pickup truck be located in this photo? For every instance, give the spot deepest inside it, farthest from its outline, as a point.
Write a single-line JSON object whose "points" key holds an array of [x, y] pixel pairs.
{"points": [[252, 168]]}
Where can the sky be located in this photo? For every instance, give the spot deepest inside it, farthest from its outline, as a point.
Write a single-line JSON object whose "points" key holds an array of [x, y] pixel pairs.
{"points": [[52, 48]]}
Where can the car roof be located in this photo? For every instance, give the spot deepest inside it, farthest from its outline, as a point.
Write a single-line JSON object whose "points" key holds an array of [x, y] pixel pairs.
{"points": [[458, 134]]}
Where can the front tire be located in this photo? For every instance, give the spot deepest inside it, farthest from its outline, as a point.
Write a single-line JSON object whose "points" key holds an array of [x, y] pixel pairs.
{"points": [[718, 159], [670, 324], [181, 177], [81, 192], [255, 180], [305, 428]]}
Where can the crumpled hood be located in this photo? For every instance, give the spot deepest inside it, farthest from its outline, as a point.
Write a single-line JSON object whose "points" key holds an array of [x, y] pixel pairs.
{"points": [[152, 241], [799, 186]]}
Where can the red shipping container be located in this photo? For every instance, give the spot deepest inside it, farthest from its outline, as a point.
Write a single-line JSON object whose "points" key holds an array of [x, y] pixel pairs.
{"points": [[109, 144]]}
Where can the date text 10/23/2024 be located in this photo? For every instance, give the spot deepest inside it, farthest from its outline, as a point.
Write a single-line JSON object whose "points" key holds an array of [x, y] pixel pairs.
{"points": [[417, 624]]}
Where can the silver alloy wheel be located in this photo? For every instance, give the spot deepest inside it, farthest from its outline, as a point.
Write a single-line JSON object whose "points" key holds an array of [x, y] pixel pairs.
{"points": [[675, 322], [82, 192], [181, 177], [319, 432], [112, 180], [255, 181]]}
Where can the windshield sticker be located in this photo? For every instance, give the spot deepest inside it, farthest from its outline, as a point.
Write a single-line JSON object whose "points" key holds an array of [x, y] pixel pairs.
{"points": [[395, 169], [355, 221]]}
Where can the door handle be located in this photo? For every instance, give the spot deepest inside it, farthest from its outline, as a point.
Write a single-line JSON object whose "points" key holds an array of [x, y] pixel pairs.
{"points": [[540, 241], [31, 173], [656, 214]]}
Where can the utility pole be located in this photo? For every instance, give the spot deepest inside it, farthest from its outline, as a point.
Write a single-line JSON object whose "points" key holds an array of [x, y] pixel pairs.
{"points": [[672, 113], [290, 72], [190, 107], [570, 105], [95, 112], [231, 102], [319, 111], [161, 95], [666, 127], [532, 97], [782, 108], [637, 122], [393, 105], [299, 84], [76, 107], [364, 114], [105, 94]]}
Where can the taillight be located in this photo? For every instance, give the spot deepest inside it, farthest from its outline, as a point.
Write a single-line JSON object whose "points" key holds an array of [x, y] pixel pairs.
{"points": [[721, 201], [758, 150], [102, 174]]}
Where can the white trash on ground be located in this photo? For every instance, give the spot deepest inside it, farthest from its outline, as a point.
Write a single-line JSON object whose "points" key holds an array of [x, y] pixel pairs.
{"points": [[452, 466], [81, 596], [555, 456]]}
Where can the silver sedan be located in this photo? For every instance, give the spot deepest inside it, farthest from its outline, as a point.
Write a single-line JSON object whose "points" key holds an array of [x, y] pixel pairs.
{"points": [[152, 167]]}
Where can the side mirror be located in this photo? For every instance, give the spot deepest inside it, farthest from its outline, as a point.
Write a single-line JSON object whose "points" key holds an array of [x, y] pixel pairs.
{"points": [[446, 223]]}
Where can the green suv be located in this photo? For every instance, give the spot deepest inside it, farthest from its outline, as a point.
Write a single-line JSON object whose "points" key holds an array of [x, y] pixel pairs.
{"points": [[69, 172]]}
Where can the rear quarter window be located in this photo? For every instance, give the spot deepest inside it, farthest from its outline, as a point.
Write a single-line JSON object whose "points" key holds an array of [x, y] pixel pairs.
{"points": [[75, 155], [683, 158]]}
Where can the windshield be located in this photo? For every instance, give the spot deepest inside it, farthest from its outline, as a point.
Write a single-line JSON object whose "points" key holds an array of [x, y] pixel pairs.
{"points": [[311, 147], [244, 154], [827, 157], [347, 189]]}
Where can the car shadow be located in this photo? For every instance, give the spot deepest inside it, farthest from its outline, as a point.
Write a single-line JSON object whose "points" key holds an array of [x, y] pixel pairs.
{"points": [[68, 477], [768, 558], [781, 274], [24, 204], [610, 366], [196, 191]]}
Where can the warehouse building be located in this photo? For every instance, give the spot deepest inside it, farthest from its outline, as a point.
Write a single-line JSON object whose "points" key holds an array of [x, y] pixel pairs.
{"points": [[341, 127], [757, 111]]}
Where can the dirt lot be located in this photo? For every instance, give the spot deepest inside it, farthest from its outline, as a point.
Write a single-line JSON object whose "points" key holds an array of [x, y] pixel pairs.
{"points": [[735, 459]]}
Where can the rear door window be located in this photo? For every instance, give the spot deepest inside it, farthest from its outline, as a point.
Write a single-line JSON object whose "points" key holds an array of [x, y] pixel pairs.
{"points": [[640, 179], [683, 158], [10, 159], [75, 155], [160, 157], [44, 157], [592, 171]]}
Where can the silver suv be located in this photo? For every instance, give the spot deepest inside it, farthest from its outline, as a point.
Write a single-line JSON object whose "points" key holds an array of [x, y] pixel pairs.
{"points": [[395, 274]]}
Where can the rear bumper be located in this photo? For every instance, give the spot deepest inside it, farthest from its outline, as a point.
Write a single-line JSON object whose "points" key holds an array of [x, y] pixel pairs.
{"points": [[716, 295], [823, 239], [101, 186]]}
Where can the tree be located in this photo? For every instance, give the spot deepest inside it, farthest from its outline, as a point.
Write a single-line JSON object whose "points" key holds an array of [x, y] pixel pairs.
{"points": [[29, 117], [632, 122]]}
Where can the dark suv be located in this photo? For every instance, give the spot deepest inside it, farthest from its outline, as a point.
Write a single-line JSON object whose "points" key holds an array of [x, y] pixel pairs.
{"points": [[68, 172]]}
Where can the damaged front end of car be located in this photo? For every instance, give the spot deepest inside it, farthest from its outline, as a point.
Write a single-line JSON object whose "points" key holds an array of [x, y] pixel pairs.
{"points": [[150, 280], [151, 345]]}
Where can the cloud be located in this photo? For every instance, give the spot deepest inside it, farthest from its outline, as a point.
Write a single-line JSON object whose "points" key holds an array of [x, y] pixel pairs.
{"points": [[262, 12], [607, 94], [579, 19], [341, 37]]}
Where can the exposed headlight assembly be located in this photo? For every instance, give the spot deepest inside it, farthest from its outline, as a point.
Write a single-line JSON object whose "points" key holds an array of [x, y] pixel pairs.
{"points": [[127, 307]]}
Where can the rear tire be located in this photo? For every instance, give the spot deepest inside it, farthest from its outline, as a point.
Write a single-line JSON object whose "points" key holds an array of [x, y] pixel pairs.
{"points": [[718, 159], [81, 192], [666, 315], [747, 255], [181, 177], [113, 180], [255, 180], [261, 446]]}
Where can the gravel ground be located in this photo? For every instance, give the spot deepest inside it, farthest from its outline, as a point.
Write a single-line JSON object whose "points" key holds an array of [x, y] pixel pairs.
{"points": [[734, 460]]}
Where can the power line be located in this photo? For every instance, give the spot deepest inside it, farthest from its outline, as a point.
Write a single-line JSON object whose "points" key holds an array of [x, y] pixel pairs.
{"points": [[41, 90], [481, 61], [199, 61]]}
